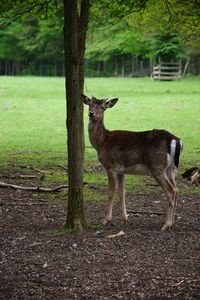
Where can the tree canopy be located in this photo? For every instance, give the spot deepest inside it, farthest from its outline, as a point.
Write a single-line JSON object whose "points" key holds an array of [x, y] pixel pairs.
{"points": [[143, 29]]}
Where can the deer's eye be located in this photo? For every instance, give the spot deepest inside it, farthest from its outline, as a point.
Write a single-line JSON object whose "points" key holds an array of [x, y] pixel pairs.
{"points": [[102, 108]]}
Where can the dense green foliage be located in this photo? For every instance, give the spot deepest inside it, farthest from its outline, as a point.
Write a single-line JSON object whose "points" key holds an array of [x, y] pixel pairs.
{"points": [[33, 43], [169, 30], [120, 41]]}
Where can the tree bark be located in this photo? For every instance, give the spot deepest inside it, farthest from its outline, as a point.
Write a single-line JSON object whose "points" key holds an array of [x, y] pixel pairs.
{"points": [[75, 28]]}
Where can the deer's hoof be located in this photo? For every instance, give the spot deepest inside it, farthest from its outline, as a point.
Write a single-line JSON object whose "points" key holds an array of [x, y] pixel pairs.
{"points": [[124, 222], [166, 227], [108, 223], [105, 221]]}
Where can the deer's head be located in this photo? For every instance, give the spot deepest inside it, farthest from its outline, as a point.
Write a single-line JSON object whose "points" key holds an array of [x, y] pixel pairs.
{"points": [[98, 106]]}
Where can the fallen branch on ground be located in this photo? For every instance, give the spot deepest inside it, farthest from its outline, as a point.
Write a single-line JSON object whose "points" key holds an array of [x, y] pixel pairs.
{"points": [[34, 169], [23, 204], [145, 212], [196, 177], [64, 167], [189, 172], [33, 188], [22, 176], [193, 175], [116, 235]]}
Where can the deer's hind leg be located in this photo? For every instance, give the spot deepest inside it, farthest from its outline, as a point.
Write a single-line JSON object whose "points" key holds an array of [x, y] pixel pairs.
{"points": [[171, 174], [167, 183], [121, 192], [111, 191]]}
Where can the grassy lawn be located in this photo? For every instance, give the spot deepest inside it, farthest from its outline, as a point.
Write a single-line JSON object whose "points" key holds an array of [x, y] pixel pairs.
{"points": [[32, 117]]}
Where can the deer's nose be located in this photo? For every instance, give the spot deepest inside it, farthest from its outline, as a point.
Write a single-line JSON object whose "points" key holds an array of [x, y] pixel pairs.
{"points": [[91, 113]]}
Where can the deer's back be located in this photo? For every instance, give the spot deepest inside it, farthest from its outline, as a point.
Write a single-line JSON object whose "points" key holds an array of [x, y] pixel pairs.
{"points": [[135, 152]]}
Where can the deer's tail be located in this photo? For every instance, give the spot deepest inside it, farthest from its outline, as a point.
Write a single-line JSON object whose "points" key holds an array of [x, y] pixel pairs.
{"points": [[176, 146]]}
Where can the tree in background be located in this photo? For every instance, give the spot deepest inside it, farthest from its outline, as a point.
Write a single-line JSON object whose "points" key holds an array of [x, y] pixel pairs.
{"points": [[170, 28], [114, 43], [167, 29], [121, 36], [29, 41], [10, 35]]}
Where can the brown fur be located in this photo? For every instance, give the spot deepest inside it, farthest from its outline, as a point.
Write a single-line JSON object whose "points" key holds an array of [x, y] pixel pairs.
{"points": [[126, 152]]}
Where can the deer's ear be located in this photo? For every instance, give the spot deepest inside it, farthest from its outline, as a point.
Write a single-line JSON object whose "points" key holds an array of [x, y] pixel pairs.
{"points": [[111, 103], [85, 99]]}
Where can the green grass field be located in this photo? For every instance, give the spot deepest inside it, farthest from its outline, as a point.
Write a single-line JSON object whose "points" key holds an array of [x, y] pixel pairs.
{"points": [[32, 115], [33, 133]]}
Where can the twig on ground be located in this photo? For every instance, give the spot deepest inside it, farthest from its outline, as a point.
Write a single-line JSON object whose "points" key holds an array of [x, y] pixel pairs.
{"points": [[189, 172], [196, 177], [145, 212], [25, 203], [116, 235], [33, 168], [64, 167], [24, 176], [33, 188], [158, 213], [179, 283]]}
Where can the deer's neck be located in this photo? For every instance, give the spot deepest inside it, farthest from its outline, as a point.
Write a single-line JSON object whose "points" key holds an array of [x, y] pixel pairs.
{"points": [[97, 133]]}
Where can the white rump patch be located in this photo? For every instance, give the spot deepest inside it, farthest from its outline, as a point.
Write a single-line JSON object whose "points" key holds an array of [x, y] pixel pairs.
{"points": [[173, 148], [171, 156]]}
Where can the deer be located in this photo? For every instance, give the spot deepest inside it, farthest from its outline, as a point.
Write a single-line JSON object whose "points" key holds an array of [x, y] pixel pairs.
{"points": [[153, 153]]}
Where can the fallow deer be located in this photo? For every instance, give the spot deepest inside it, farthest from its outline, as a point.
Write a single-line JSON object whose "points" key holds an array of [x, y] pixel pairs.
{"points": [[154, 153]]}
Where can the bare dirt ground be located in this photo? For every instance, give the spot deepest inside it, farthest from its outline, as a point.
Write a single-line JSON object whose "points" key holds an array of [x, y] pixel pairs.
{"points": [[144, 263]]}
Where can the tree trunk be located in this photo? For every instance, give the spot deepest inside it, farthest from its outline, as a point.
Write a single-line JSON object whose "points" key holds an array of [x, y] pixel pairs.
{"points": [[55, 68], [6, 67], [186, 66], [74, 42], [104, 67], [116, 67], [141, 68], [132, 64], [40, 68], [150, 65], [99, 68], [123, 66]]}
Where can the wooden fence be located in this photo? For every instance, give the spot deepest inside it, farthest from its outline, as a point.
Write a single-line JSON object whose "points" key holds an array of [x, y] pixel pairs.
{"points": [[167, 71]]}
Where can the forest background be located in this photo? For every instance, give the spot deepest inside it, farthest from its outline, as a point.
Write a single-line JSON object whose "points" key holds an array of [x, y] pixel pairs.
{"points": [[129, 47]]}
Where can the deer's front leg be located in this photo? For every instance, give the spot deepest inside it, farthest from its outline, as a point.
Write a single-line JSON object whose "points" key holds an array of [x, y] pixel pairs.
{"points": [[121, 191], [111, 191]]}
